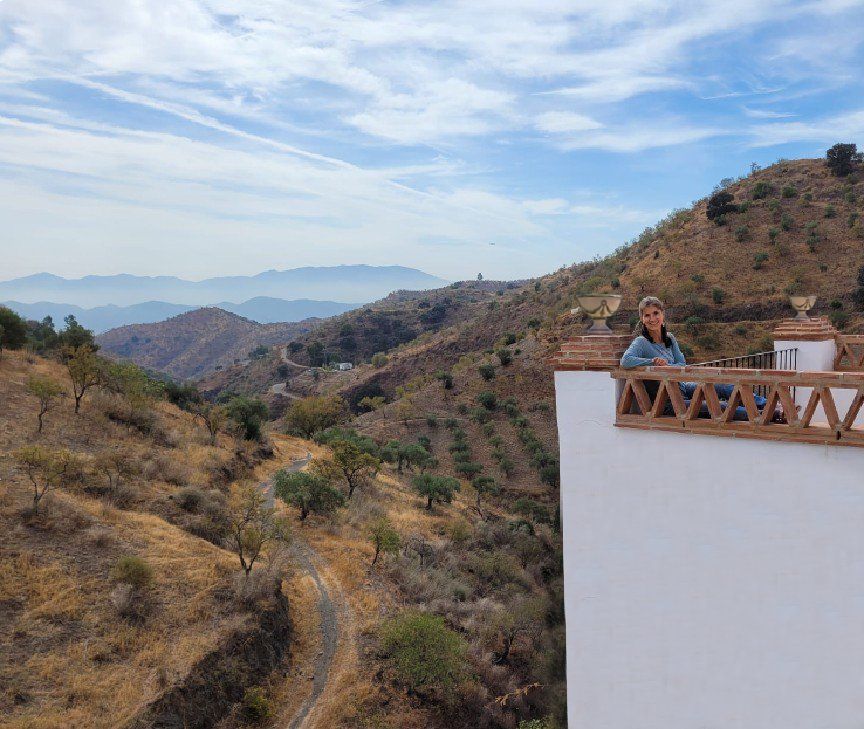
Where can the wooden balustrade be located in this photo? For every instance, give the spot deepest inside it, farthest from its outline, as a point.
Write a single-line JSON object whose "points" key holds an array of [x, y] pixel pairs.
{"points": [[850, 353], [668, 409]]}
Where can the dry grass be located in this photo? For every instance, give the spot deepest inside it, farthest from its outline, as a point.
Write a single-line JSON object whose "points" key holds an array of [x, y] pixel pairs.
{"points": [[67, 659]]}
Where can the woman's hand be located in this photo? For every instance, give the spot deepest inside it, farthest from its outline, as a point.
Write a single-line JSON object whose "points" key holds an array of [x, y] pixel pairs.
{"points": [[659, 362]]}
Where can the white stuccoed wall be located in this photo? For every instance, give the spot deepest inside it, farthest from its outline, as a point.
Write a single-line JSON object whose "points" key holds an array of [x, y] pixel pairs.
{"points": [[710, 583]]}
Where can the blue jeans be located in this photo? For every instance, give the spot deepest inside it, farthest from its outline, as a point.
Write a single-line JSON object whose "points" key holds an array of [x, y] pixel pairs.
{"points": [[724, 392]]}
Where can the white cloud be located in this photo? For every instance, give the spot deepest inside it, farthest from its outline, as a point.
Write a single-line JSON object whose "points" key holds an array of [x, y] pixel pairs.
{"points": [[565, 121], [846, 127]]}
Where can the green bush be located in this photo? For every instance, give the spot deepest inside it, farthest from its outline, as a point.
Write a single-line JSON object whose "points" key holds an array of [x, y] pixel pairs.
{"points": [[830, 211], [487, 371], [256, 705], [741, 233], [761, 190], [838, 318], [422, 652], [772, 234], [488, 400], [786, 222], [718, 296], [759, 259], [505, 356], [789, 191], [133, 571]]}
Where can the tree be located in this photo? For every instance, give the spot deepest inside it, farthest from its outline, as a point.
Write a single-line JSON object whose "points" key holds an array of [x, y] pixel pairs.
{"points": [[260, 352], [349, 464], [435, 488], [41, 335], [85, 370], [129, 380], [252, 525], [114, 465], [488, 400], [315, 352], [46, 391], [483, 486], [404, 409], [524, 617], [45, 468], [310, 414], [532, 510], [379, 359], [842, 158], [446, 379], [13, 329], [213, 417], [720, 204], [309, 492], [249, 414], [423, 653], [372, 404], [74, 335], [414, 455], [295, 347], [384, 537]]}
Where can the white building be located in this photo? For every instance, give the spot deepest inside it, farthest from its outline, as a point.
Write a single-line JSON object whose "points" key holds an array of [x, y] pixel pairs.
{"points": [[714, 569], [343, 366]]}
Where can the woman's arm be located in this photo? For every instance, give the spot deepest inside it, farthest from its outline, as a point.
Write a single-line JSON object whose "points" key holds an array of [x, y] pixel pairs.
{"points": [[677, 353], [635, 354]]}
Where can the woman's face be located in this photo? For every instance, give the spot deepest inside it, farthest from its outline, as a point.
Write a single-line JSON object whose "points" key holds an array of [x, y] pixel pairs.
{"points": [[653, 318]]}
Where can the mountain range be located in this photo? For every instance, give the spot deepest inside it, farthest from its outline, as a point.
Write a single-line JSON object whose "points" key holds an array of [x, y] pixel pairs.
{"points": [[261, 309], [346, 284]]}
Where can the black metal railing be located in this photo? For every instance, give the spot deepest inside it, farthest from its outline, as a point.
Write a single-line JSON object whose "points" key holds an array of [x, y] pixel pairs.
{"points": [[777, 359]]}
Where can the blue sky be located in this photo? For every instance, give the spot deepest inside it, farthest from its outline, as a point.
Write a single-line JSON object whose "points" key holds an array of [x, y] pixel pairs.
{"points": [[207, 137]]}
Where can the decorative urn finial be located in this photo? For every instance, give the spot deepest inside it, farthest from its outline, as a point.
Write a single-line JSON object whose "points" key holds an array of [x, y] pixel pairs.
{"points": [[599, 307], [802, 304]]}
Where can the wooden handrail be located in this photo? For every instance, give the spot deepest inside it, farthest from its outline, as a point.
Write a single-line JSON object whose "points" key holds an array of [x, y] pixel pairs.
{"points": [[668, 410], [850, 353]]}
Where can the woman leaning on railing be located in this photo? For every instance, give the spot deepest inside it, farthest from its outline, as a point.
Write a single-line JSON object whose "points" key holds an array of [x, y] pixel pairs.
{"points": [[654, 345]]}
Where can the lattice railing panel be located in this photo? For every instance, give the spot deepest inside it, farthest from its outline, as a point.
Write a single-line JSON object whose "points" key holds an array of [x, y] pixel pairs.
{"points": [[850, 353], [779, 419]]}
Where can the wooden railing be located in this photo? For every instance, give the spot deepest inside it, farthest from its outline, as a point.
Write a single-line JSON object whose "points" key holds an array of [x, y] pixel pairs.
{"points": [[850, 353], [705, 413]]}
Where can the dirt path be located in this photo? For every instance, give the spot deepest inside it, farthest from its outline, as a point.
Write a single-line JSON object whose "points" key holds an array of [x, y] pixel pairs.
{"points": [[280, 388], [283, 353], [334, 618]]}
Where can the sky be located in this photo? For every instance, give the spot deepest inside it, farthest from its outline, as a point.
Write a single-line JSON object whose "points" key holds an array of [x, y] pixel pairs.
{"points": [[206, 137]]}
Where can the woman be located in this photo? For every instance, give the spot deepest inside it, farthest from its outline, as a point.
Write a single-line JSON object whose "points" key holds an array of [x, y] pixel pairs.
{"points": [[653, 345]]}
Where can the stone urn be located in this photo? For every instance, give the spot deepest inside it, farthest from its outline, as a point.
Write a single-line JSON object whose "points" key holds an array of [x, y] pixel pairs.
{"points": [[599, 307], [802, 304]]}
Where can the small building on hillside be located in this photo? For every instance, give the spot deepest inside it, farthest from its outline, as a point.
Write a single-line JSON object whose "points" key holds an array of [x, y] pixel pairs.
{"points": [[343, 366], [714, 564]]}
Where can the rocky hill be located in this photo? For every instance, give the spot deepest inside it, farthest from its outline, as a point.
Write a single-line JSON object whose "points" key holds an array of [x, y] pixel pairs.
{"points": [[197, 342]]}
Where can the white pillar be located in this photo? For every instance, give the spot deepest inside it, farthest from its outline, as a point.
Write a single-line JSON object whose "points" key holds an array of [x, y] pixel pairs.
{"points": [[815, 340]]}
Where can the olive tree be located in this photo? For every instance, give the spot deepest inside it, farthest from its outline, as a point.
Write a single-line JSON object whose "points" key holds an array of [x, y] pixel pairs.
{"points": [[349, 464], [45, 468], [383, 537], [252, 525], [85, 370], [46, 391], [435, 488], [309, 492]]}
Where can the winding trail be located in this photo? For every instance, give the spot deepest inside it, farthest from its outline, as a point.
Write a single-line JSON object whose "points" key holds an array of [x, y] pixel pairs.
{"points": [[330, 610]]}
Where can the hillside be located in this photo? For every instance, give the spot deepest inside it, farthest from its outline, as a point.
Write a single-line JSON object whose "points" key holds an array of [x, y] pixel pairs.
{"points": [[343, 283], [85, 642], [197, 342], [798, 229]]}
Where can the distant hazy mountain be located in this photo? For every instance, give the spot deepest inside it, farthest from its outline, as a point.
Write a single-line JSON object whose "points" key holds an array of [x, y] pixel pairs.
{"points": [[262, 309], [334, 283], [197, 342]]}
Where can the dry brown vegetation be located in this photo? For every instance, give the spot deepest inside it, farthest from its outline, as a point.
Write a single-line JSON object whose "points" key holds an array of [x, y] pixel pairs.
{"points": [[83, 643]]}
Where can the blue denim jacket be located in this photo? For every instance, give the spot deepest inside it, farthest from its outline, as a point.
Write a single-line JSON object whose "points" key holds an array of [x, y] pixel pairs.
{"points": [[641, 351]]}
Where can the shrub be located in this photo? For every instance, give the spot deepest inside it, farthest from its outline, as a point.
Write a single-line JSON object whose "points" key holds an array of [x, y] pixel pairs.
{"points": [[432, 421], [808, 196], [759, 259], [830, 211], [761, 190], [838, 318], [256, 705], [488, 400], [445, 378], [719, 205], [422, 652], [133, 571], [741, 233], [487, 371], [311, 414], [789, 191], [772, 234], [505, 356], [379, 360], [718, 296], [697, 278], [773, 205], [786, 222], [190, 499], [249, 414]]}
